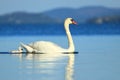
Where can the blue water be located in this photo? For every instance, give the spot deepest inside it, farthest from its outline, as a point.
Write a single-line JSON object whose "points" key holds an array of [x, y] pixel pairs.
{"points": [[58, 29], [98, 58]]}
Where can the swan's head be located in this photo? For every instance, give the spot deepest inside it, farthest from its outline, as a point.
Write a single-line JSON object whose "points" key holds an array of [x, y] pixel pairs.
{"points": [[70, 21]]}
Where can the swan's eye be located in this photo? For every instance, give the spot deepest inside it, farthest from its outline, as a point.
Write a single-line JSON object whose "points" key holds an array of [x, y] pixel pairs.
{"points": [[72, 20]]}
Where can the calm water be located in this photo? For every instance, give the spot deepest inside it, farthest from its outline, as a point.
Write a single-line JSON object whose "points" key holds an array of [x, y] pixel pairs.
{"points": [[58, 29], [98, 59]]}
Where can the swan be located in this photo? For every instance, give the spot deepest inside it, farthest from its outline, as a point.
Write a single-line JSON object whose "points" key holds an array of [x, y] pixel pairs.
{"points": [[20, 50], [46, 46]]}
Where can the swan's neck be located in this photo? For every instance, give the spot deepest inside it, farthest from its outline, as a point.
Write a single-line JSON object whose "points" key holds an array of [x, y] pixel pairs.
{"points": [[70, 40]]}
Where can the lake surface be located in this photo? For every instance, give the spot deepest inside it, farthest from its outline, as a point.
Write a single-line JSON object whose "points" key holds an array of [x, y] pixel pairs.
{"points": [[58, 29], [98, 58]]}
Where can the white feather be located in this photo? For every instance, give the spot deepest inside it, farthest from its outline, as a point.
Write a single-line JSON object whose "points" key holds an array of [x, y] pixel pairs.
{"points": [[46, 46]]}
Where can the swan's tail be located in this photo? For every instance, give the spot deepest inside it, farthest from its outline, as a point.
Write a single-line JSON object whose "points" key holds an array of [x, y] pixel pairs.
{"points": [[26, 47]]}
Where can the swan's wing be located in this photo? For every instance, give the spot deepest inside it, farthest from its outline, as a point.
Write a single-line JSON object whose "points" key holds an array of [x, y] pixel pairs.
{"points": [[45, 46]]}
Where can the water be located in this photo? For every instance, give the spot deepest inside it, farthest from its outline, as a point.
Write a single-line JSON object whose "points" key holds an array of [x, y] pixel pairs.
{"points": [[58, 29], [98, 58]]}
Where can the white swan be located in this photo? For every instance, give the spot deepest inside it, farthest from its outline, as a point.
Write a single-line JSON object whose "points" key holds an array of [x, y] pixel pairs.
{"points": [[17, 51], [46, 46]]}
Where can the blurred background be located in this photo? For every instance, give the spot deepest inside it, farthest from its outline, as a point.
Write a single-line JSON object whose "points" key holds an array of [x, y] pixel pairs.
{"points": [[36, 17]]}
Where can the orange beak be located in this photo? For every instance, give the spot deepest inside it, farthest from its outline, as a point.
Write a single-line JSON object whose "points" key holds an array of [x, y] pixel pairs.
{"points": [[73, 22]]}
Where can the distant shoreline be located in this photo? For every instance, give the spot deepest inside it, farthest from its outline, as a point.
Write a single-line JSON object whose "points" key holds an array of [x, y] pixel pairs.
{"points": [[92, 14]]}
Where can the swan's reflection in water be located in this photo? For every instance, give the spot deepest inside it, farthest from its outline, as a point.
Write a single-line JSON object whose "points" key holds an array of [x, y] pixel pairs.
{"points": [[70, 67], [57, 66]]}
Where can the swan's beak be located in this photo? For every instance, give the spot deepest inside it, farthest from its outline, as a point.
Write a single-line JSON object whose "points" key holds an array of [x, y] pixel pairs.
{"points": [[74, 22]]}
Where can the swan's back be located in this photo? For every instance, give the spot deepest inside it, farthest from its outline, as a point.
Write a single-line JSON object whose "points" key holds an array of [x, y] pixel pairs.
{"points": [[46, 46]]}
